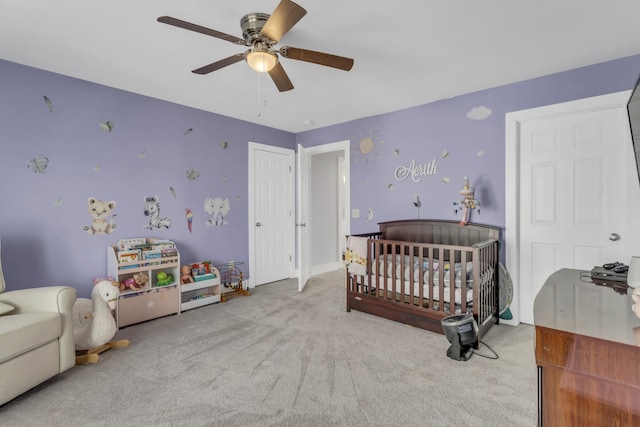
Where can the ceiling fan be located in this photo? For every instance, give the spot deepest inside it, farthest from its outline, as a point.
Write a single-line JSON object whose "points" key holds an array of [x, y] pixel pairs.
{"points": [[261, 32]]}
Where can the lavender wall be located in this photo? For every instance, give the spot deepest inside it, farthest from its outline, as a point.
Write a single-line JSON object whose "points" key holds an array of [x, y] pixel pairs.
{"points": [[475, 146], [147, 153]]}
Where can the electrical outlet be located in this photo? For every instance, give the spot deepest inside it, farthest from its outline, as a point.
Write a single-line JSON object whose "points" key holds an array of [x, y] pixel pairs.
{"points": [[355, 213]]}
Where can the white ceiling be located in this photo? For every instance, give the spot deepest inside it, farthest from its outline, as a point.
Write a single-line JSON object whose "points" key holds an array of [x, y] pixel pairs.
{"points": [[406, 52]]}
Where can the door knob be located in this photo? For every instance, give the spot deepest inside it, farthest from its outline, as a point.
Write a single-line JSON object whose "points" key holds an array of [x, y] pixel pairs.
{"points": [[614, 237], [258, 224]]}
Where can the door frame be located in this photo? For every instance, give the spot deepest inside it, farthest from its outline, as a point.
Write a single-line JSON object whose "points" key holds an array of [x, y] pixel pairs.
{"points": [[302, 216], [513, 122], [253, 147]]}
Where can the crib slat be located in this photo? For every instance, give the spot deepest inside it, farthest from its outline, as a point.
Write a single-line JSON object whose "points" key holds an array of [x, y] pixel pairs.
{"points": [[403, 286], [463, 281], [431, 276]]}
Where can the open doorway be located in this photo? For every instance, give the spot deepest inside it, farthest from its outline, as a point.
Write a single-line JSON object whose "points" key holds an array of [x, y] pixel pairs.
{"points": [[327, 205]]}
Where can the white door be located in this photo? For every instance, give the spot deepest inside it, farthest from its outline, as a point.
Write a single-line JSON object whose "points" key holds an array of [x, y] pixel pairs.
{"points": [[572, 183], [302, 218], [271, 213]]}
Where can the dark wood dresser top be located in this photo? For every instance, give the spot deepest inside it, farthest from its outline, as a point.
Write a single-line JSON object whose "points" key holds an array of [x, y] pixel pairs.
{"points": [[569, 301]]}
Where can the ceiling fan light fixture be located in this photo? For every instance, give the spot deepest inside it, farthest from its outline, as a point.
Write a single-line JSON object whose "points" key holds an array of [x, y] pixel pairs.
{"points": [[261, 60]]}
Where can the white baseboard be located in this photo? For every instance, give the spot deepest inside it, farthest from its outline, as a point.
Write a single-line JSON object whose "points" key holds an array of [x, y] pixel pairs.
{"points": [[319, 269], [512, 322]]}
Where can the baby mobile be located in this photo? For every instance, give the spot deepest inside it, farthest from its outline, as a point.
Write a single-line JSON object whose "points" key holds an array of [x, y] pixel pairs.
{"points": [[467, 204]]}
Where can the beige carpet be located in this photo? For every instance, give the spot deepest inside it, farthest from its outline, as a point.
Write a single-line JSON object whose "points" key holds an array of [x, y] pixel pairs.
{"points": [[283, 358]]}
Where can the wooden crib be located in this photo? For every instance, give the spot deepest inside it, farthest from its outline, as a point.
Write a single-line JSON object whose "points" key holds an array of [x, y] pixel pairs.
{"points": [[407, 261]]}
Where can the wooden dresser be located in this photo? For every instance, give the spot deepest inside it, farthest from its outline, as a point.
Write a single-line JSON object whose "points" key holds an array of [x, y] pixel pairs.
{"points": [[587, 353]]}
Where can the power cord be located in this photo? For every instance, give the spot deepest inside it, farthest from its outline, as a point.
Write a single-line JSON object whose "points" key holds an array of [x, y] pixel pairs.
{"points": [[585, 276], [495, 355]]}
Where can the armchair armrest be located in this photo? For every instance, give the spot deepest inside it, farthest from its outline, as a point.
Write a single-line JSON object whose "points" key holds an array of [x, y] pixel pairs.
{"points": [[57, 299]]}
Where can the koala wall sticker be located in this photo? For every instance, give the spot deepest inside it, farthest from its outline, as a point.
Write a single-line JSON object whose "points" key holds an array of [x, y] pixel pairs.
{"points": [[100, 212]]}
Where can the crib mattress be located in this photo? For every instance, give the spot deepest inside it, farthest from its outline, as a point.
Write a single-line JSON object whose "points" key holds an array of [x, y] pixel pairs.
{"points": [[395, 285]]}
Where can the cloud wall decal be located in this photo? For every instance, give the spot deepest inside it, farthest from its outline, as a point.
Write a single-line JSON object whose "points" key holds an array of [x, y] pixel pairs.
{"points": [[479, 113]]}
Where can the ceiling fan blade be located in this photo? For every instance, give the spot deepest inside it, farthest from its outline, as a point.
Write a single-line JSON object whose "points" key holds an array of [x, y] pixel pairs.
{"points": [[219, 64], [339, 62], [199, 29], [283, 18], [280, 78]]}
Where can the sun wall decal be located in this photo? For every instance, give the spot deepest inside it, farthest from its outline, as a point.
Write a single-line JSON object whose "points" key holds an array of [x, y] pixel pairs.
{"points": [[365, 145]]}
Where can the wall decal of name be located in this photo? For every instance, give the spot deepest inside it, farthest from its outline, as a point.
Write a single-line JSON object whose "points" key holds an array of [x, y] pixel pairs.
{"points": [[416, 172]]}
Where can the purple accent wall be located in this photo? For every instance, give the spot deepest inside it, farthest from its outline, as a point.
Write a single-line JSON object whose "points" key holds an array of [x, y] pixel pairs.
{"points": [[147, 153], [425, 132]]}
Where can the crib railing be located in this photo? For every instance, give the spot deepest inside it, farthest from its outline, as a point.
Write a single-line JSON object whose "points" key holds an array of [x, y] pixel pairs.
{"points": [[400, 277]]}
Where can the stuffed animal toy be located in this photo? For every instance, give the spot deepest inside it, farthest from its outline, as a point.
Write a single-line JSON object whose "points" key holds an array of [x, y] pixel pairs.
{"points": [[185, 277], [135, 283], [141, 279], [93, 322], [635, 296], [129, 283], [163, 278]]}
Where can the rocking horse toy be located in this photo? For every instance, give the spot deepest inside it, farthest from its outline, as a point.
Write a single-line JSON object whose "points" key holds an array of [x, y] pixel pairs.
{"points": [[94, 324]]}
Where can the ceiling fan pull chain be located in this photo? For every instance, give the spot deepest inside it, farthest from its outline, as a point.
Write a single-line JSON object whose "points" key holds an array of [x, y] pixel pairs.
{"points": [[262, 100], [259, 85]]}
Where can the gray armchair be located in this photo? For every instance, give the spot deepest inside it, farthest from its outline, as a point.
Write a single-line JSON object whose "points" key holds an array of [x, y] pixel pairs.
{"points": [[36, 336]]}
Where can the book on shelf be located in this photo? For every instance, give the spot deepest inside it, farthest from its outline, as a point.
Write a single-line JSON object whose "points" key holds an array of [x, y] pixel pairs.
{"points": [[145, 247], [163, 244], [206, 276], [127, 257], [151, 254], [167, 253], [202, 271], [128, 244]]}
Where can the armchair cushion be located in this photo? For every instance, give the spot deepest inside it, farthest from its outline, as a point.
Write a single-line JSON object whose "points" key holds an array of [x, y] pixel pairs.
{"points": [[20, 333], [5, 308]]}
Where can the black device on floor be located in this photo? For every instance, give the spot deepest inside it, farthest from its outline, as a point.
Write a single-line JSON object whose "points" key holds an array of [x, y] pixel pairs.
{"points": [[613, 271], [462, 332]]}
